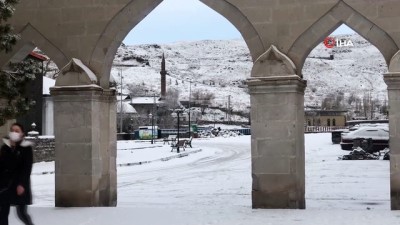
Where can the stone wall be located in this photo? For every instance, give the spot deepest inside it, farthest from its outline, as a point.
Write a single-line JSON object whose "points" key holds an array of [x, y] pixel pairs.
{"points": [[44, 149]]}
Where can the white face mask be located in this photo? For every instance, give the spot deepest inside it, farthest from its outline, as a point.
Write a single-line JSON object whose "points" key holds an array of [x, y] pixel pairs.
{"points": [[15, 137]]}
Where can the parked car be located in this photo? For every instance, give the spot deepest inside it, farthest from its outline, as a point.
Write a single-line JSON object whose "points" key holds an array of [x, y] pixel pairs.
{"points": [[338, 134], [378, 134]]}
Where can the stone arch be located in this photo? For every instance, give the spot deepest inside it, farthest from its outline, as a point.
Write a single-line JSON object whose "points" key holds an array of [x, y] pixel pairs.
{"points": [[134, 12], [340, 14], [31, 38], [394, 66]]}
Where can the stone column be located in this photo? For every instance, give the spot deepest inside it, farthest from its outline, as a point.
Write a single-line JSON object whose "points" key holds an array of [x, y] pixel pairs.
{"points": [[85, 134], [108, 123], [392, 80], [85, 149], [277, 142]]}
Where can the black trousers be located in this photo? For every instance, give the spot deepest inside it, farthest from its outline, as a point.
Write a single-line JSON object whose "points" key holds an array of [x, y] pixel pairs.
{"points": [[22, 212]]}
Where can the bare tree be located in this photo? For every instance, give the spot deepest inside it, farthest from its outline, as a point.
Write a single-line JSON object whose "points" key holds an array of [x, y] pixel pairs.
{"points": [[328, 102], [333, 101], [351, 98], [339, 98], [138, 89], [366, 105], [171, 100], [164, 110], [384, 108], [202, 99]]}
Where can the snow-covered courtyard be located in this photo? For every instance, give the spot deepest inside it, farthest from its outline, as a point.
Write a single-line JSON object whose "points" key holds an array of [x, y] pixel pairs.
{"points": [[212, 185]]}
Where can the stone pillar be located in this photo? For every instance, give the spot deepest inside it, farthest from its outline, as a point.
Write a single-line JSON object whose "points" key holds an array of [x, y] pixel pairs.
{"points": [[277, 142], [392, 80], [85, 149], [85, 134], [108, 184]]}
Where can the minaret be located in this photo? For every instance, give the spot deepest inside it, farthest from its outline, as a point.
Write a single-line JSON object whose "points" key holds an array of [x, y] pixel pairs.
{"points": [[163, 78]]}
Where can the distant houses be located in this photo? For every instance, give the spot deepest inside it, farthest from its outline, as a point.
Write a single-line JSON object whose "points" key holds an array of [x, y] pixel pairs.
{"points": [[329, 118], [145, 105]]}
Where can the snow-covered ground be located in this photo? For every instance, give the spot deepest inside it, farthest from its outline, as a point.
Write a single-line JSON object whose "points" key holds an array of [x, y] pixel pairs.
{"points": [[213, 186]]}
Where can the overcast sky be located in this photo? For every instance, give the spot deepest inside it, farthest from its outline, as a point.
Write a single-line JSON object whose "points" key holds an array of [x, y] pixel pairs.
{"points": [[186, 20]]}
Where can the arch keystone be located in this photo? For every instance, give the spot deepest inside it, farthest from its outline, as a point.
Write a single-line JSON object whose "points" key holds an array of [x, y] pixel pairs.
{"points": [[273, 63], [75, 73]]}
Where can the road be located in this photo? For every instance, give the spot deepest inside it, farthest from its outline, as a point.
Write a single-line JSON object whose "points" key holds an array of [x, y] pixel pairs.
{"points": [[221, 176]]}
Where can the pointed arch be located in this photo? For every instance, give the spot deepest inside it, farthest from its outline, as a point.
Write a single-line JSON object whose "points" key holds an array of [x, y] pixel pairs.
{"points": [[30, 39], [136, 10], [241, 22], [116, 30], [340, 14], [394, 66]]}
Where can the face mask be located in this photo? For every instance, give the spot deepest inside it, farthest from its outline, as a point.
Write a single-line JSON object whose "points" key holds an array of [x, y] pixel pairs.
{"points": [[15, 137]]}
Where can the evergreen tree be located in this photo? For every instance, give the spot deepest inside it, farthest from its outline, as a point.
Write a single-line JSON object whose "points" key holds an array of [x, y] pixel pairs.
{"points": [[13, 79], [7, 38]]}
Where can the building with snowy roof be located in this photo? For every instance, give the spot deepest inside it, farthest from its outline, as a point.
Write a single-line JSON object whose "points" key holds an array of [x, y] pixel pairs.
{"points": [[330, 118], [145, 105]]}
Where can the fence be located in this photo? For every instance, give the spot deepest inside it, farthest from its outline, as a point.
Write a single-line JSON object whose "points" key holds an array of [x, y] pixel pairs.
{"points": [[244, 131], [321, 129]]}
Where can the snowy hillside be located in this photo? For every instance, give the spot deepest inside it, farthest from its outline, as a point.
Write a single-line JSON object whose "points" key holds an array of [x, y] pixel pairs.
{"points": [[357, 69], [221, 67]]}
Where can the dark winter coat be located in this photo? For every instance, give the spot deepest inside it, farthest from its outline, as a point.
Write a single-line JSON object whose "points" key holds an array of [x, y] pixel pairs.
{"points": [[15, 169]]}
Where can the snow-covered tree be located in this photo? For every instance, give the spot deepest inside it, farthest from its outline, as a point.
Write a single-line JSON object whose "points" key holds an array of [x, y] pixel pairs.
{"points": [[13, 79], [7, 38]]}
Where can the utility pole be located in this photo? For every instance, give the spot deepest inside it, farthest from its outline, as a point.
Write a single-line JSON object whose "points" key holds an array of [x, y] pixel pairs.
{"points": [[152, 119], [120, 113], [226, 113], [177, 143], [372, 106]]}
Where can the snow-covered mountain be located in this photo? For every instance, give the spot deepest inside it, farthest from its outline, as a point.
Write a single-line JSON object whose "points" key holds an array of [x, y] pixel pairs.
{"points": [[221, 67], [357, 70]]}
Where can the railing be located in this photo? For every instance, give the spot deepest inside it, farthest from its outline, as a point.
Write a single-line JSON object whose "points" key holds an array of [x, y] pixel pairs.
{"points": [[244, 131], [184, 132], [321, 129]]}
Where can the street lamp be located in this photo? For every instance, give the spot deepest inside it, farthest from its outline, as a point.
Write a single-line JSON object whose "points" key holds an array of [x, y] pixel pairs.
{"points": [[120, 113], [176, 114], [152, 118], [190, 97], [214, 118], [152, 127]]}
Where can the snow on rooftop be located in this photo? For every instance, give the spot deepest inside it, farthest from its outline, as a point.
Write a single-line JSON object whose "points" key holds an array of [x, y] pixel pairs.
{"points": [[145, 100], [126, 108]]}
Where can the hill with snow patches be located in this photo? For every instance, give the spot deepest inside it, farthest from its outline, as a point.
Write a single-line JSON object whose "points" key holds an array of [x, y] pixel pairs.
{"points": [[222, 67]]}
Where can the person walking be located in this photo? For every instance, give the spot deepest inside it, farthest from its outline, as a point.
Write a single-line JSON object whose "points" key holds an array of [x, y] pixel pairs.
{"points": [[16, 158]]}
